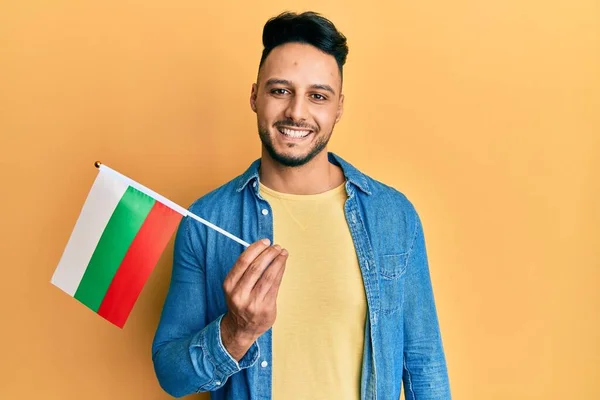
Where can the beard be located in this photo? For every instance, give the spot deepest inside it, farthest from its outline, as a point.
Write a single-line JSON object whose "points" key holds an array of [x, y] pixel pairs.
{"points": [[292, 161]]}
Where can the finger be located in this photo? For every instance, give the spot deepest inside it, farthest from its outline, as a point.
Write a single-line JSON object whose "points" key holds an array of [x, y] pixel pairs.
{"points": [[244, 260], [256, 269], [269, 276], [272, 291]]}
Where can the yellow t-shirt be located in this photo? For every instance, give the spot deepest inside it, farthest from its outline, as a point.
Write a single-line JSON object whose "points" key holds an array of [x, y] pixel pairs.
{"points": [[318, 335]]}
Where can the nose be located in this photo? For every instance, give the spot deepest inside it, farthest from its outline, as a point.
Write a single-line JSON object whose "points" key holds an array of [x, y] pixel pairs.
{"points": [[296, 109]]}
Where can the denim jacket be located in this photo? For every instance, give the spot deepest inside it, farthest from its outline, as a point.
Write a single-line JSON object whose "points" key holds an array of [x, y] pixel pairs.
{"points": [[402, 336]]}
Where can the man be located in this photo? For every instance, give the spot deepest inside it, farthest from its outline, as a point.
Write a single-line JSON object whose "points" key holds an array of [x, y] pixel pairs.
{"points": [[333, 299]]}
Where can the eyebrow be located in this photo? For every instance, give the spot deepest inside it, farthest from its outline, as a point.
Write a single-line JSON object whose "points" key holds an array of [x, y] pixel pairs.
{"points": [[275, 81]]}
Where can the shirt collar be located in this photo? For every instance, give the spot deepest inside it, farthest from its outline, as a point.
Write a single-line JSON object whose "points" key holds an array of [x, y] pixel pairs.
{"points": [[353, 175]]}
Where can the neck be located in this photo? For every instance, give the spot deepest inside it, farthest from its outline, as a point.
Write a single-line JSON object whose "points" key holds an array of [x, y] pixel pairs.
{"points": [[316, 176]]}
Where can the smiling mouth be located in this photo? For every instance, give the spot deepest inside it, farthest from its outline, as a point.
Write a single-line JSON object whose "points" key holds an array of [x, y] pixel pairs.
{"points": [[294, 133]]}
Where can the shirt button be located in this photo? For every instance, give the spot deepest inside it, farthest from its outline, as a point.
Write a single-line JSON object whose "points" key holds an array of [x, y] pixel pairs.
{"points": [[264, 364], [254, 184], [265, 211], [217, 383]]}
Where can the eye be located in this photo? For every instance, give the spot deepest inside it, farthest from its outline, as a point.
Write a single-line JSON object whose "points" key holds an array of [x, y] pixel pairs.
{"points": [[318, 97], [279, 91]]}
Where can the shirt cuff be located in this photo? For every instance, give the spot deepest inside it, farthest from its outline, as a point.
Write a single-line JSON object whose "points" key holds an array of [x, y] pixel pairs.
{"points": [[225, 365]]}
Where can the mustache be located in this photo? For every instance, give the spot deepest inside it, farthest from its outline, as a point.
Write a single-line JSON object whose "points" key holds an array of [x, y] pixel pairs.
{"points": [[291, 124]]}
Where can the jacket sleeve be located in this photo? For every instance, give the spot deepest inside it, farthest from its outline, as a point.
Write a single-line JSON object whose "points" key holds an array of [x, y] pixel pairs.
{"points": [[425, 372], [187, 351]]}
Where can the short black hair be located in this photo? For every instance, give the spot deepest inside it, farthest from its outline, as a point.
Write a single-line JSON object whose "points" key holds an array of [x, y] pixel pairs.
{"points": [[309, 28]]}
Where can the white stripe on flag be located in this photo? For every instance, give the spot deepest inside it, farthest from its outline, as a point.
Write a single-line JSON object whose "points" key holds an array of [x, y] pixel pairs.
{"points": [[105, 194]]}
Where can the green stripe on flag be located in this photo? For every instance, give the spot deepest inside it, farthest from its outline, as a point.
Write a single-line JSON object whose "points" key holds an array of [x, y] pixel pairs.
{"points": [[121, 229]]}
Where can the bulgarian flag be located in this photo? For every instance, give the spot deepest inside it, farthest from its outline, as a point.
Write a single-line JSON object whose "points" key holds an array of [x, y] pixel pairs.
{"points": [[118, 238]]}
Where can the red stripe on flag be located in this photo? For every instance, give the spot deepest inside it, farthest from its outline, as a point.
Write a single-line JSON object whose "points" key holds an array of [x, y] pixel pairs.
{"points": [[142, 256]]}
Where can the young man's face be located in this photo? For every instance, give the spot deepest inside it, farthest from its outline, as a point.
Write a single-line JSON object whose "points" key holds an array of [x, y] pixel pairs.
{"points": [[298, 101]]}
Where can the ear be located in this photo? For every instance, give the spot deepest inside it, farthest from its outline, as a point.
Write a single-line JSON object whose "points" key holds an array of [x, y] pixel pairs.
{"points": [[340, 109], [253, 95]]}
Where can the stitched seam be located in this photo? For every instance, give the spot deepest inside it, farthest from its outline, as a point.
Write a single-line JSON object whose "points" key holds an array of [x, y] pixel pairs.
{"points": [[194, 250], [409, 381], [395, 274], [414, 240], [410, 251], [367, 238], [204, 347], [210, 383]]}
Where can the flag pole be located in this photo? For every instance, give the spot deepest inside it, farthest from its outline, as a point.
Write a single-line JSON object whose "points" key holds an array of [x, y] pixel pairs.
{"points": [[169, 203]]}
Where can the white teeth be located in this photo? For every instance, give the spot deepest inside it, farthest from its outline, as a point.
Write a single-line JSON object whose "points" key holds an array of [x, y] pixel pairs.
{"points": [[294, 133]]}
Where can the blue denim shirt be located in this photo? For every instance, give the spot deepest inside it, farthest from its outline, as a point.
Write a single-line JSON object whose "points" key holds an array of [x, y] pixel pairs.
{"points": [[402, 337]]}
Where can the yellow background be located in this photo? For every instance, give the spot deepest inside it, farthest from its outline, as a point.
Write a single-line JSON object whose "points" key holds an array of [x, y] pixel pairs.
{"points": [[485, 113]]}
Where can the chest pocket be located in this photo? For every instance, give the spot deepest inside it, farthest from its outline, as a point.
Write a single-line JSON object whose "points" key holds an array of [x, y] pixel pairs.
{"points": [[391, 276]]}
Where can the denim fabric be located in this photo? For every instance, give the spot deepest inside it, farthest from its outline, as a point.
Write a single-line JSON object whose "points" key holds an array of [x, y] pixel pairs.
{"points": [[403, 343]]}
